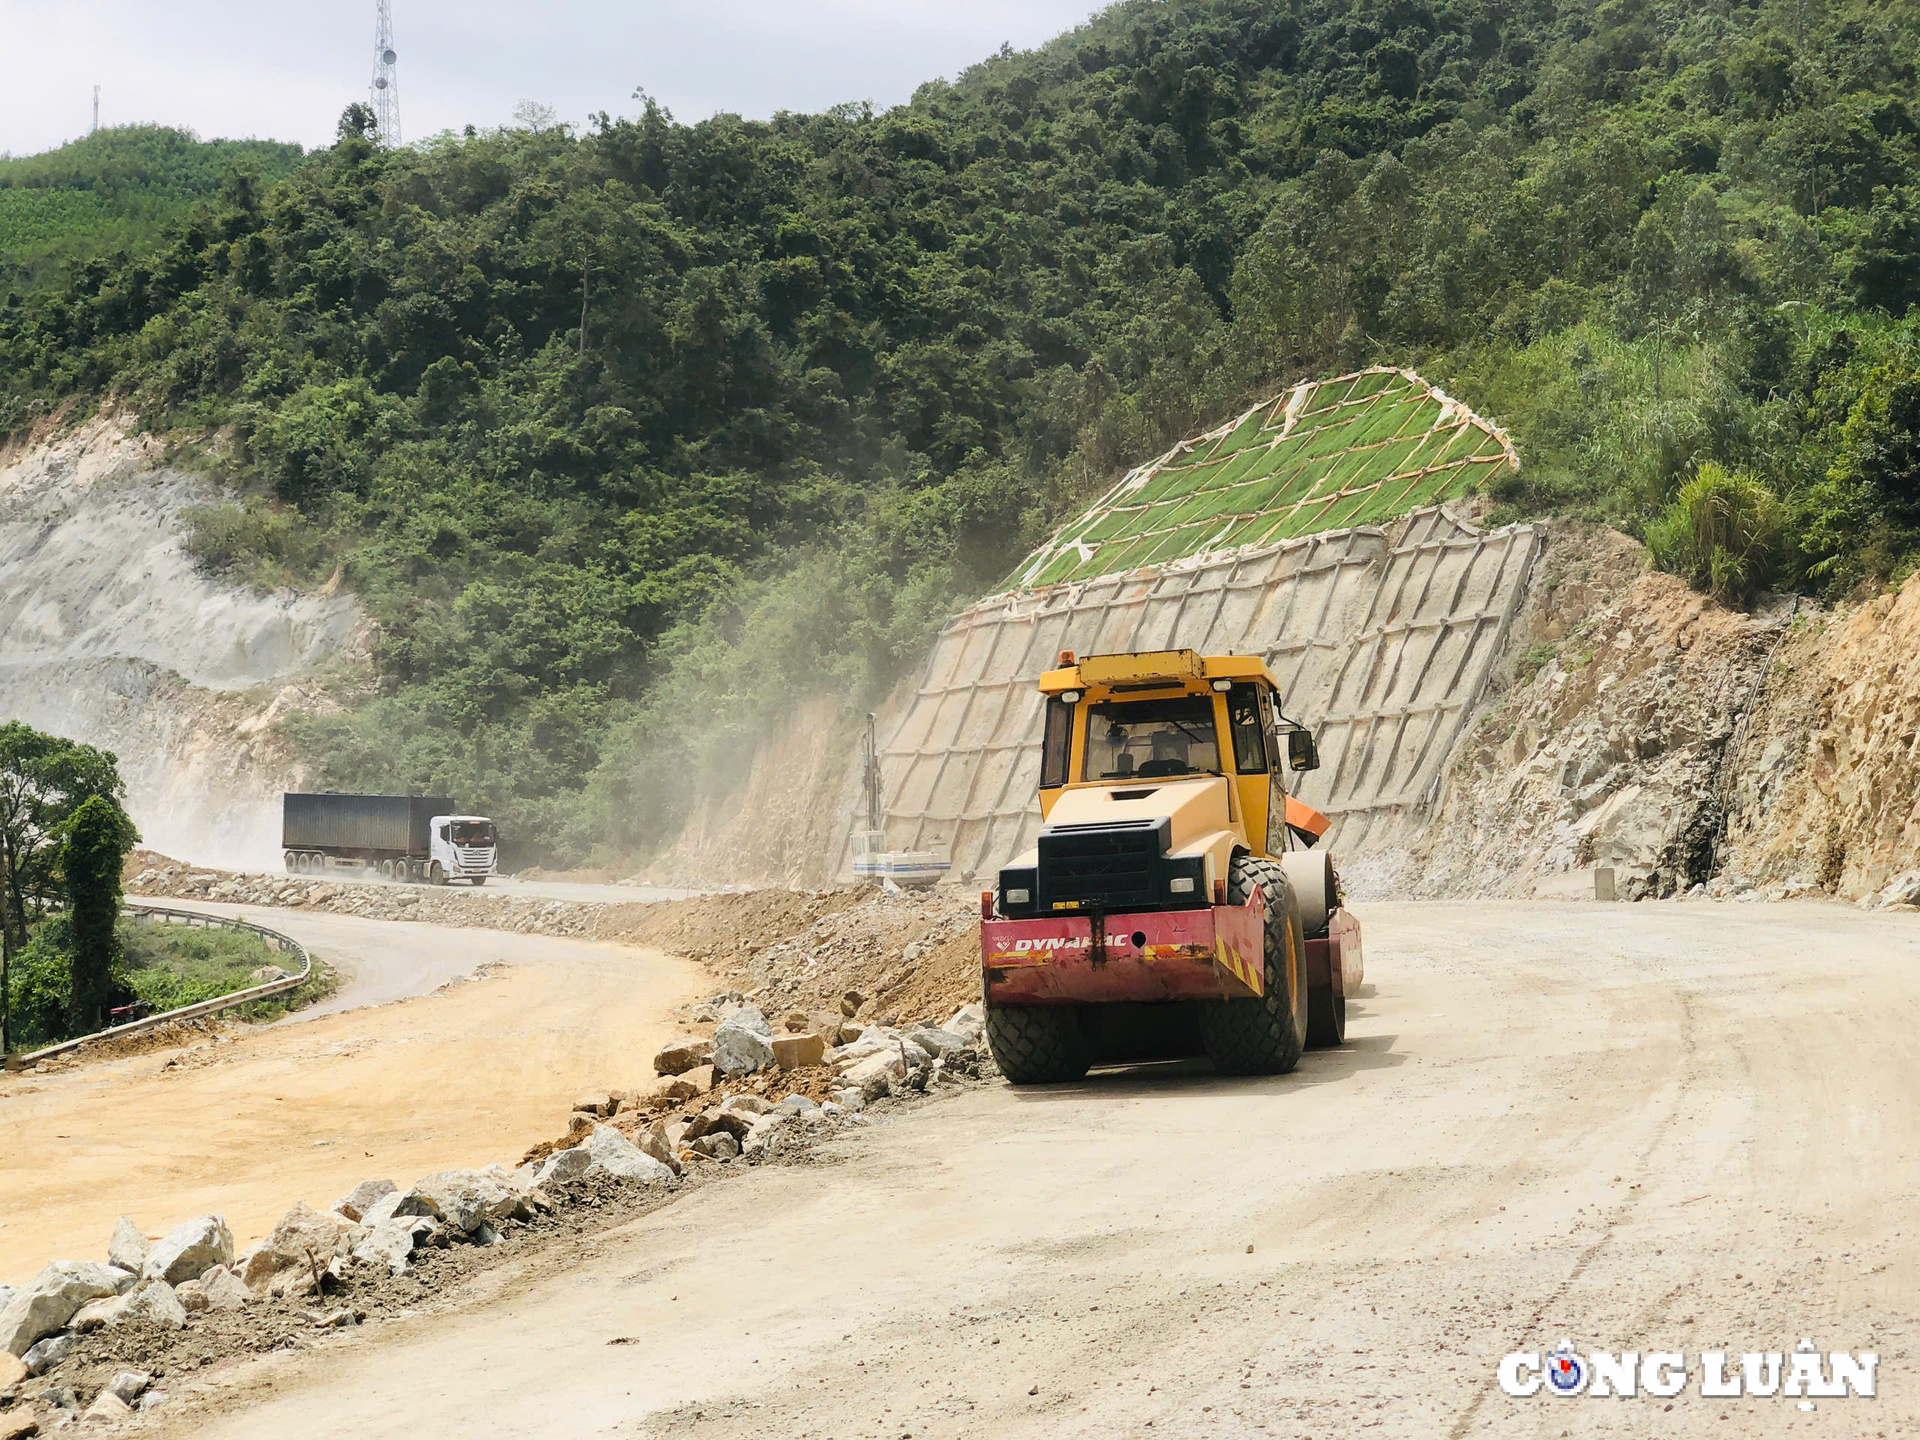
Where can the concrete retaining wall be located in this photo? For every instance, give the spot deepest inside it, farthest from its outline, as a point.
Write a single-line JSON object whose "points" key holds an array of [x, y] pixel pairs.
{"points": [[1382, 638]]}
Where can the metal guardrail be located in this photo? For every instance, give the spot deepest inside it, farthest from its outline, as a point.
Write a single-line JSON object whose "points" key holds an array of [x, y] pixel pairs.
{"points": [[160, 914]]}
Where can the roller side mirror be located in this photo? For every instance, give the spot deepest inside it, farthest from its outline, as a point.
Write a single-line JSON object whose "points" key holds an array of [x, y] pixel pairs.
{"points": [[1302, 753]]}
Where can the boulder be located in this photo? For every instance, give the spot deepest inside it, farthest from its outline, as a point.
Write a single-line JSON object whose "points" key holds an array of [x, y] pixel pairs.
{"points": [[563, 1166], [734, 1121], [108, 1409], [223, 1289], [129, 1383], [384, 1208], [743, 1043], [120, 1280], [796, 1052], [875, 1075], [192, 1296], [1902, 889], [825, 1025], [521, 1185], [301, 1229], [673, 1091], [681, 1054], [935, 1043], [717, 1146], [392, 1242], [800, 1105], [44, 1306], [151, 1302], [153, 1399], [12, 1370], [187, 1251], [969, 1022], [18, 1425], [600, 1103], [874, 1040], [653, 1141], [49, 1352], [747, 1104], [850, 1099], [766, 1133], [851, 1002], [357, 1201], [266, 975], [129, 1246], [92, 1315], [281, 1262], [465, 1199], [609, 1152]]}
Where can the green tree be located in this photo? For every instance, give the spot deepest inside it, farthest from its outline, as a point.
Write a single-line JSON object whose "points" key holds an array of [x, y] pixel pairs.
{"points": [[40, 984], [44, 781], [96, 840]]}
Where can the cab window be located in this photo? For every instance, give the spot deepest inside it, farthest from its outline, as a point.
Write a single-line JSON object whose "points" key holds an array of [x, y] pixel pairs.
{"points": [[1145, 739], [1054, 749], [1249, 739]]}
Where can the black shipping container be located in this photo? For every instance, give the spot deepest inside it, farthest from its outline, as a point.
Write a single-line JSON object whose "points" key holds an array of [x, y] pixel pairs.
{"points": [[394, 824]]}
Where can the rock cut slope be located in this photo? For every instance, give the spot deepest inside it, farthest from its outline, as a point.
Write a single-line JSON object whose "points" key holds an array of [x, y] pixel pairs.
{"points": [[110, 634]]}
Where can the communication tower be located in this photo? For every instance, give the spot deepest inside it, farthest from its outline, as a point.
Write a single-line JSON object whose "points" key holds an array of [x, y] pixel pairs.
{"points": [[96, 109], [385, 94]]}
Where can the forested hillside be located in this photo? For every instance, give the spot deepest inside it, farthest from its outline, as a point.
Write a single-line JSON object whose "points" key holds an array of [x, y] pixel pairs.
{"points": [[628, 437], [117, 189]]}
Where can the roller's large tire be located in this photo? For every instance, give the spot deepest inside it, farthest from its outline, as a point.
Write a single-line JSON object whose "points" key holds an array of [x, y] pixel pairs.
{"points": [[1038, 1044], [1263, 1036]]}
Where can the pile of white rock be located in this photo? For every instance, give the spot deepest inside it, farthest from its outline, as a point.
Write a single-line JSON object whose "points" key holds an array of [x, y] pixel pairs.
{"points": [[193, 1268]]}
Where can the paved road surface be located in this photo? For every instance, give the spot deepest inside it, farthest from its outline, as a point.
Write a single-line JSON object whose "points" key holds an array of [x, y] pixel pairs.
{"points": [[379, 961], [1645, 1127], [304, 1111]]}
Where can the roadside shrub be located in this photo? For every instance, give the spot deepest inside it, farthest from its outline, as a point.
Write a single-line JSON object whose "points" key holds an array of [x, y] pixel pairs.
{"points": [[1720, 534], [266, 545], [40, 984]]}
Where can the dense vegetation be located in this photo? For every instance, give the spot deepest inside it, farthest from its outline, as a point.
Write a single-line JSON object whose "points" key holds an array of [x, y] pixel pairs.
{"points": [[63, 839], [116, 190], [163, 967], [628, 437]]}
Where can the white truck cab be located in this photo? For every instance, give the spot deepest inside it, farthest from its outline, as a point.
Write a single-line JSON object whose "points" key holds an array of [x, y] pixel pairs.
{"points": [[464, 847]]}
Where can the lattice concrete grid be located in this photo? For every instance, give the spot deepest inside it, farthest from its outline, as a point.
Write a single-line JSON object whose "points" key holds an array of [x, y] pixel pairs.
{"points": [[1382, 638]]}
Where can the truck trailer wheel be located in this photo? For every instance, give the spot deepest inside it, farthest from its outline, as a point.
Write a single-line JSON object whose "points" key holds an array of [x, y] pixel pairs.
{"points": [[1038, 1044], [1263, 1036]]}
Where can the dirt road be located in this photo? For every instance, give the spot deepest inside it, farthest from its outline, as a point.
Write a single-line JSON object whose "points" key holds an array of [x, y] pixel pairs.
{"points": [[1645, 1127], [304, 1111], [379, 961]]}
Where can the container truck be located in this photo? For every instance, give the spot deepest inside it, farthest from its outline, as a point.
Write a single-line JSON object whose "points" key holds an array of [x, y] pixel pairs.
{"points": [[397, 837]]}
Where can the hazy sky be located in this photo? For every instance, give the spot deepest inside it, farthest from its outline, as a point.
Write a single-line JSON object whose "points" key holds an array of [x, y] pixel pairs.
{"points": [[284, 71]]}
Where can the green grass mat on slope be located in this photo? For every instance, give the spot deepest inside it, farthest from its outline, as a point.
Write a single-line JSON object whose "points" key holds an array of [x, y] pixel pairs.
{"points": [[1355, 450]]}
